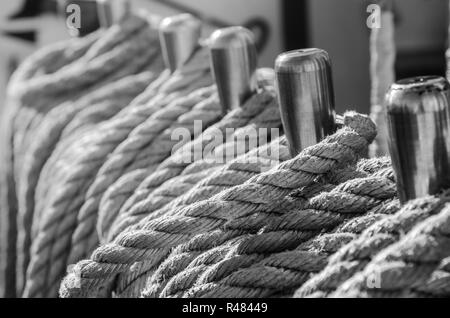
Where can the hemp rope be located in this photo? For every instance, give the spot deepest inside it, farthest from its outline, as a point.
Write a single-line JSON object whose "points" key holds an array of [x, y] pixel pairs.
{"points": [[136, 113], [153, 242], [382, 70], [39, 61], [128, 67], [49, 59], [70, 196], [136, 65], [175, 164], [146, 146], [42, 63], [167, 218], [55, 127], [173, 186], [417, 265], [278, 233], [264, 220], [117, 129], [263, 152], [233, 173], [189, 182], [71, 76], [88, 74], [353, 258]]}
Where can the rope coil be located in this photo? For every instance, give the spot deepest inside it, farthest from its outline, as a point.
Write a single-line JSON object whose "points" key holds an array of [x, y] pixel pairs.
{"points": [[91, 166], [150, 245], [190, 174]]}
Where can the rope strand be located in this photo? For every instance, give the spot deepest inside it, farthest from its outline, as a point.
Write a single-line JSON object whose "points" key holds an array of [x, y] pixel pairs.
{"points": [[353, 258], [157, 237]]}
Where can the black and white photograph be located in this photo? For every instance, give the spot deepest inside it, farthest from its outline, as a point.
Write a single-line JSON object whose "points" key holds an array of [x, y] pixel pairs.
{"points": [[224, 156]]}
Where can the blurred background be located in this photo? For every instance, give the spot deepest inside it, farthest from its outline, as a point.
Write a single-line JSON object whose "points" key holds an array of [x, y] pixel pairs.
{"points": [[336, 26]]}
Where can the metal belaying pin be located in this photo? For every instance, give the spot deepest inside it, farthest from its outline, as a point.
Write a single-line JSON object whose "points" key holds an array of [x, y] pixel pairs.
{"points": [[179, 37], [418, 119], [112, 11], [234, 62], [306, 97]]}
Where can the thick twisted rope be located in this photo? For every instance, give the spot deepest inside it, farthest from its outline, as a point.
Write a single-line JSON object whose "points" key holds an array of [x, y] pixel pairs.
{"points": [[417, 265], [132, 116], [67, 111], [88, 75], [145, 148], [87, 69], [319, 209], [110, 99], [176, 216], [186, 253], [44, 64], [261, 153], [232, 174], [189, 153], [41, 61], [49, 59], [60, 217], [112, 132], [193, 173], [150, 245], [355, 256], [129, 69]]}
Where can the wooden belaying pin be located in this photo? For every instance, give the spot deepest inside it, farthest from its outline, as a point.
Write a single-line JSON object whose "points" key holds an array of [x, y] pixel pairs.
{"points": [[234, 62], [179, 37], [418, 118], [112, 11], [306, 97]]}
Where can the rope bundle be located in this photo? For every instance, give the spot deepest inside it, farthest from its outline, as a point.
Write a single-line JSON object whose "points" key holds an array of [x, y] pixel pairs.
{"points": [[176, 176], [90, 157], [354, 257], [48, 84], [139, 251], [57, 214], [144, 148], [417, 265], [303, 214], [57, 126], [45, 61]]}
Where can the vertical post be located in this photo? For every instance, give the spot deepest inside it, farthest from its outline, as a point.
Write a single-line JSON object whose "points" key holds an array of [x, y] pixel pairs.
{"points": [[234, 62], [418, 117], [112, 11], [179, 36], [306, 97]]}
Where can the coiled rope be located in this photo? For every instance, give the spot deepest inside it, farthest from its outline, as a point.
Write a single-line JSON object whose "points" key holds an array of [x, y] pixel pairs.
{"points": [[55, 128], [106, 100], [190, 174], [43, 81], [269, 234], [44, 61], [58, 210], [147, 247], [354, 257], [417, 265], [146, 146]]}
